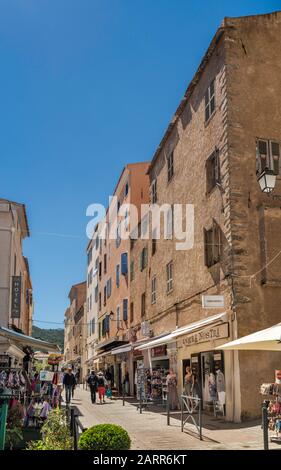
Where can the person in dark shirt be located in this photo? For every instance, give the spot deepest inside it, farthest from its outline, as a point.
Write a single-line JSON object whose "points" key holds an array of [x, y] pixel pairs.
{"points": [[93, 384], [68, 384]]}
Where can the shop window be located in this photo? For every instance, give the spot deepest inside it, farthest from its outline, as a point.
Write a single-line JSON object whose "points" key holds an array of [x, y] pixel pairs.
{"points": [[210, 102], [153, 290], [268, 156], [143, 305], [212, 242], [169, 273], [212, 171], [170, 166]]}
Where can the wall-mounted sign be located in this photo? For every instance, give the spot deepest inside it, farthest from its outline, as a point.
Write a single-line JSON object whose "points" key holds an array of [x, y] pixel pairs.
{"points": [[213, 301], [207, 334], [145, 328], [16, 296]]}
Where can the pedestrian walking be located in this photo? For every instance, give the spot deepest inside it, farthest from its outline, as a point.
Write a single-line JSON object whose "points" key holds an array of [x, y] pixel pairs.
{"points": [[101, 387], [69, 384], [93, 384]]}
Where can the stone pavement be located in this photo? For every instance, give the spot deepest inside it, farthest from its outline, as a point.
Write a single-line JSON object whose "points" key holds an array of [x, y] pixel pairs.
{"points": [[149, 430]]}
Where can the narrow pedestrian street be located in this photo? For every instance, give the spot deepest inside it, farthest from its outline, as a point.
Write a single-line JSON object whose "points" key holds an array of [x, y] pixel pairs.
{"points": [[149, 430]]}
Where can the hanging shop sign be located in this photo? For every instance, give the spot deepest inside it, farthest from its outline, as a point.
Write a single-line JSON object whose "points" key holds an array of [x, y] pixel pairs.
{"points": [[159, 351], [55, 359], [207, 334], [16, 296]]}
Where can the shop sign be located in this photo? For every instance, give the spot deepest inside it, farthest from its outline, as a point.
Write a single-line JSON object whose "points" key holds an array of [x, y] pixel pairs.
{"points": [[137, 352], [159, 351], [207, 334], [213, 301], [16, 296]]}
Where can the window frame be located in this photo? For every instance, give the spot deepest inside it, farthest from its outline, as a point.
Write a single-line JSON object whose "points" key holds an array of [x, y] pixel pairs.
{"points": [[209, 97]]}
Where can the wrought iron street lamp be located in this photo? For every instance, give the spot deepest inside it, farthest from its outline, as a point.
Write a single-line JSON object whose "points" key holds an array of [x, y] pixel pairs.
{"points": [[267, 180]]}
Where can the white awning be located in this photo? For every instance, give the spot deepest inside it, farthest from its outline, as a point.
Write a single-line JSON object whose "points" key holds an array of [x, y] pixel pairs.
{"points": [[11, 350], [171, 337], [22, 340], [263, 340], [122, 349]]}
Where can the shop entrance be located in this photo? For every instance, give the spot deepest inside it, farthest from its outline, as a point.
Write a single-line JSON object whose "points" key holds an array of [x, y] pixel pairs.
{"points": [[208, 371]]}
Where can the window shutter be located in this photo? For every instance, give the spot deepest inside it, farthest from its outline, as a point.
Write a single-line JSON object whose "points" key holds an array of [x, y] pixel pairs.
{"points": [[275, 153], [263, 155], [124, 263], [141, 260], [217, 167], [216, 242], [125, 309]]}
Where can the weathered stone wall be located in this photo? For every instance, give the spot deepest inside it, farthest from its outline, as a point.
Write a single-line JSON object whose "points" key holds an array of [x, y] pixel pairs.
{"points": [[253, 61]]}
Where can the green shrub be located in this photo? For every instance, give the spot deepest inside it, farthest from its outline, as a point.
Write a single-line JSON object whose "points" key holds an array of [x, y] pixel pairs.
{"points": [[55, 433], [105, 437]]}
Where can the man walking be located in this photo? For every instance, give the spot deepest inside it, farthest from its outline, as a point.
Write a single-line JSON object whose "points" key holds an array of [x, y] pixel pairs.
{"points": [[93, 384], [69, 384]]}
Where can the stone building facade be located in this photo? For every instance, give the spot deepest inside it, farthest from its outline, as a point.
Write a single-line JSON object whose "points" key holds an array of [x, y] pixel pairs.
{"points": [[113, 268], [15, 312], [75, 328]]}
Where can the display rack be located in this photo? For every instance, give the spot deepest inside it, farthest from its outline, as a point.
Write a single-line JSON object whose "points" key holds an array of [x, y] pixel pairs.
{"points": [[272, 392]]}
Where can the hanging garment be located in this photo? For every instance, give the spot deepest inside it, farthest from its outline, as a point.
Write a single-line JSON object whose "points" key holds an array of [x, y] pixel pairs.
{"points": [[221, 396], [220, 381]]}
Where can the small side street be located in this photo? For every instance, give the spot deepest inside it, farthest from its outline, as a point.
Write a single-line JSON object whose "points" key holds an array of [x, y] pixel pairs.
{"points": [[149, 430]]}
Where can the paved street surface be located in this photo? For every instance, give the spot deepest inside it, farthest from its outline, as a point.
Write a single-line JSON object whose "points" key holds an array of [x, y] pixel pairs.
{"points": [[149, 430]]}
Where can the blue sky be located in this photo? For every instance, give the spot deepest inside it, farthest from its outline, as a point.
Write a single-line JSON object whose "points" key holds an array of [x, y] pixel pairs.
{"points": [[85, 87]]}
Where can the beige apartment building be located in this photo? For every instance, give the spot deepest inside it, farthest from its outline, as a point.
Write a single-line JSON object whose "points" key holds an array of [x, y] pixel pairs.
{"points": [[221, 145], [16, 299], [113, 265], [75, 329]]}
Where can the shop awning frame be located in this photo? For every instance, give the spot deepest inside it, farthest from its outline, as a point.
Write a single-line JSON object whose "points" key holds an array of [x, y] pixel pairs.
{"points": [[268, 339], [22, 340], [184, 330], [122, 349]]}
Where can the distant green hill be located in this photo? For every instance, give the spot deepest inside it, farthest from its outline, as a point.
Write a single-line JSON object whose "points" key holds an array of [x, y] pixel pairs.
{"points": [[53, 336]]}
